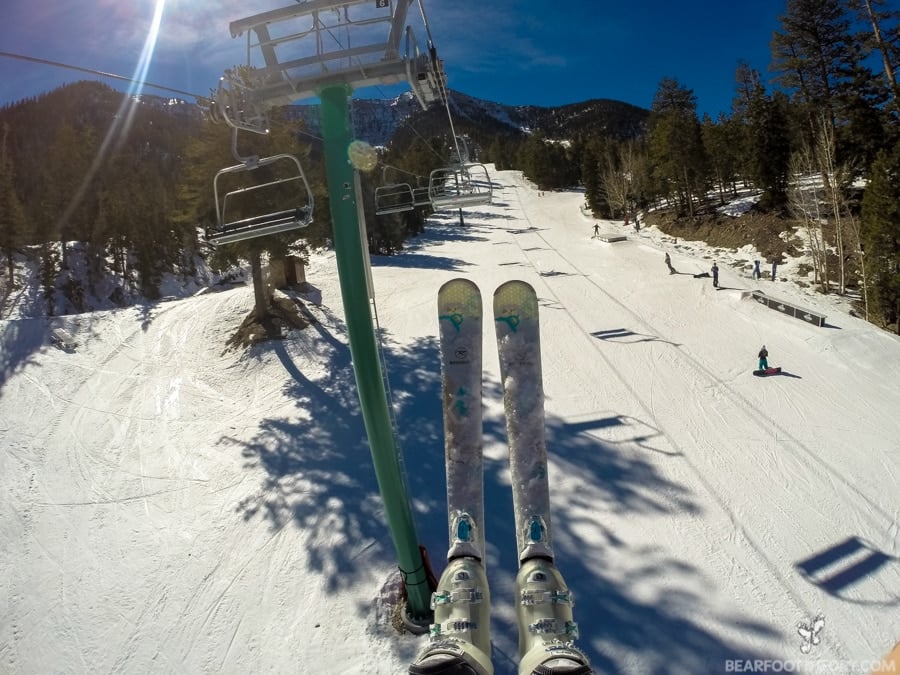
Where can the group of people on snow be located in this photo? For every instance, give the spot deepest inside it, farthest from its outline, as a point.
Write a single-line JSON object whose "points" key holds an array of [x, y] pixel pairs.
{"points": [[714, 273]]}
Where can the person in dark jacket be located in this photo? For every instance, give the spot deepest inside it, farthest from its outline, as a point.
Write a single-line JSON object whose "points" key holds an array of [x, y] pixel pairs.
{"points": [[669, 263], [763, 358], [715, 275]]}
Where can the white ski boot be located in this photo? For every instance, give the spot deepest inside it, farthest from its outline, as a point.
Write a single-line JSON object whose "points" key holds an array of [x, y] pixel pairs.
{"points": [[547, 630], [460, 642]]}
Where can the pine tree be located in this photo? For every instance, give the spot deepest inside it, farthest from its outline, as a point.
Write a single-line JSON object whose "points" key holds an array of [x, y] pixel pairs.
{"points": [[207, 154], [590, 178], [815, 56], [769, 149], [12, 215], [676, 144], [722, 141], [880, 234]]}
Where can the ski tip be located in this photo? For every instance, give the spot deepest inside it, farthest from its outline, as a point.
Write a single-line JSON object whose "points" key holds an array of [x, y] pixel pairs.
{"points": [[458, 284], [517, 299], [457, 297], [514, 288]]}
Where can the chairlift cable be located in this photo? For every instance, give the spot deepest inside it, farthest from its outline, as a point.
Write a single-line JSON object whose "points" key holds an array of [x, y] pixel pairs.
{"points": [[445, 95], [399, 170], [91, 71], [427, 27]]}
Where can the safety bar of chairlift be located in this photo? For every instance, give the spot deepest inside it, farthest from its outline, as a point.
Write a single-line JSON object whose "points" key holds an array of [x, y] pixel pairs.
{"points": [[261, 226], [269, 223]]}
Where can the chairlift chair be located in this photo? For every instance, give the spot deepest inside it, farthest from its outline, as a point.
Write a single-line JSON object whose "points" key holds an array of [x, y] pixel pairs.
{"points": [[394, 198], [425, 73], [460, 186], [421, 196], [298, 214]]}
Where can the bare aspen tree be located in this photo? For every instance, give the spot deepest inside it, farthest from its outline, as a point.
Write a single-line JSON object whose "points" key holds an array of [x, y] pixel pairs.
{"points": [[804, 204], [860, 254], [617, 176], [835, 178]]}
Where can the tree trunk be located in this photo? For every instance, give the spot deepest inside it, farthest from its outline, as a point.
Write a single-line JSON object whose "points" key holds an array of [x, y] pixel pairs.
{"points": [[260, 292], [885, 55]]}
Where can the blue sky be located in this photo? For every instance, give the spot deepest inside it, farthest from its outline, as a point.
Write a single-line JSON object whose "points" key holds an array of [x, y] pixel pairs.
{"points": [[540, 53]]}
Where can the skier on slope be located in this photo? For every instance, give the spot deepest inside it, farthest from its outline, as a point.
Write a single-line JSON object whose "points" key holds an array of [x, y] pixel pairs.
{"points": [[763, 358]]}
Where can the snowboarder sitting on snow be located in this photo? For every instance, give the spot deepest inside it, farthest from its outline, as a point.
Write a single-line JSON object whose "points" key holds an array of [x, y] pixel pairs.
{"points": [[763, 358]]}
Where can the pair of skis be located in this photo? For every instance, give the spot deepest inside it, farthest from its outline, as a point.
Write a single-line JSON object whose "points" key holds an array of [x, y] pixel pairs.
{"points": [[460, 635]]}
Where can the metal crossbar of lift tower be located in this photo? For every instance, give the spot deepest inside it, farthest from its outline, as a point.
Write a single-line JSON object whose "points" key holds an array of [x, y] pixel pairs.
{"points": [[283, 82]]}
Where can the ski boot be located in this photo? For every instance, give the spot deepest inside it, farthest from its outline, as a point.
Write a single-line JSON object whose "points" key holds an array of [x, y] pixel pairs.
{"points": [[460, 642], [547, 630]]}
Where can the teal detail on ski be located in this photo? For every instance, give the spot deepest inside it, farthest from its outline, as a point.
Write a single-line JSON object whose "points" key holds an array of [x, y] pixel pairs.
{"points": [[512, 321], [455, 319]]}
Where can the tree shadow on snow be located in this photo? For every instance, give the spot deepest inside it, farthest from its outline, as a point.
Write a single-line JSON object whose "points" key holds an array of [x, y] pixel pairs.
{"points": [[20, 340], [318, 465]]}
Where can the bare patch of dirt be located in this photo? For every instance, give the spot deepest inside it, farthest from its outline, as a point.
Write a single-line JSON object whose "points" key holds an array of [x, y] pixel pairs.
{"points": [[765, 231], [284, 315]]}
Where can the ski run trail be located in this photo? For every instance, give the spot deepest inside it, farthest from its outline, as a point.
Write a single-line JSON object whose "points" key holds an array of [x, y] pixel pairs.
{"points": [[168, 506]]}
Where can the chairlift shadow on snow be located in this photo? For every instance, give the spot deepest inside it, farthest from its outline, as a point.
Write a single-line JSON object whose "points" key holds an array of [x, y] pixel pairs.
{"points": [[470, 215], [850, 563], [626, 336], [411, 260], [531, 229]]}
